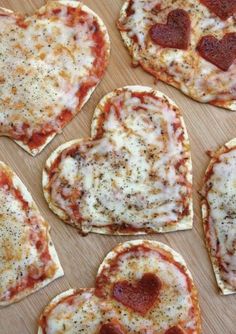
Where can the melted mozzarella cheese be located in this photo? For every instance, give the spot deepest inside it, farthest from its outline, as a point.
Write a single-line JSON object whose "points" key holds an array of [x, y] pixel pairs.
{"points": [[42, 69], [19, 231], [83, 311], [128, 176], [221, 199], [186, 69]]}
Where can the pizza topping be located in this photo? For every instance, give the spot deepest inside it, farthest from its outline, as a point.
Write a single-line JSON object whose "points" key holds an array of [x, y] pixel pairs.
{"points": [[118, 180], [56, 11], [140, 296], [222, 8], [221, 53], [6, 183], [111, 328], [175, 330], [175, 33], [39, 138], [21, 23]]}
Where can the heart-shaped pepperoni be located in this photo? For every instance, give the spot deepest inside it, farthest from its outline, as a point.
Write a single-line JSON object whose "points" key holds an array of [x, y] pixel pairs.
{"points": [[112, 328], [175, 330], [222, 8], [120, 302], [140, 296], [129, 10], [221, 53], [28, 259], [175, 33], [50, 64]]}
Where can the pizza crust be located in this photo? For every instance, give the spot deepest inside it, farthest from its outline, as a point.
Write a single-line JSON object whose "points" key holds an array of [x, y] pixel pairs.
{"points": [[52, 251], [184, 223], [223, 287]]}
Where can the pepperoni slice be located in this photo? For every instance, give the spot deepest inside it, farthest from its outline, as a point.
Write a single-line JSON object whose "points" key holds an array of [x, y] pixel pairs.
{"points": [[175, 33], [221, 53], [222, 8], [111, 328], [174, 330], [141, 296]]}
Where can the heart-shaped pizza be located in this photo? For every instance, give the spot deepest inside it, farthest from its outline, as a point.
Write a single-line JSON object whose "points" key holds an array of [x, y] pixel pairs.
{"points": [[50, 63], [219, 215], [28, 259], [133, 176], [190, 45], [141, 287]]}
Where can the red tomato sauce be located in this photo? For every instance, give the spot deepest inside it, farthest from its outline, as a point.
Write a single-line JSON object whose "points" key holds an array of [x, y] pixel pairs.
{"points": [[56, 11], [5, 180], [21, 23], [111, 328]]}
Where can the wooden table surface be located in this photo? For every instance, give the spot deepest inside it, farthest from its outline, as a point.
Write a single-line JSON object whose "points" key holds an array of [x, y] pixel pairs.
{"points": [[208, 127]]}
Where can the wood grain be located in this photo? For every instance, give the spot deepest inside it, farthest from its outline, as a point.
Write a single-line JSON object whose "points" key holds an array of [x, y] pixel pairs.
{"points": [[208, 127]]}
